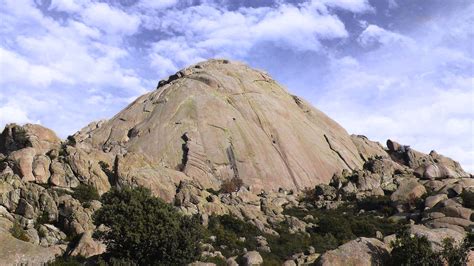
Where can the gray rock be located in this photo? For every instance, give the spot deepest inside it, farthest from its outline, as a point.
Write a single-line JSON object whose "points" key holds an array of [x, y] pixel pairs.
{"points": [[252, 258], [431, 201], [362, 251], [87, 246]]}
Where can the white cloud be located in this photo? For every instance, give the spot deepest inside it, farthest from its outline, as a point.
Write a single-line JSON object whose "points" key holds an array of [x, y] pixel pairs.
{"points": [[17, 69], [207, 31], [110, 19], [374, 34], [69, 6], [13, 114], [356, 6], [420, 95], [153, 4]]}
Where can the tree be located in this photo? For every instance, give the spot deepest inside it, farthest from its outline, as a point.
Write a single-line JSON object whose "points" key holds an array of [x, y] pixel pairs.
{"points": [[409, 249], [145, 229]]}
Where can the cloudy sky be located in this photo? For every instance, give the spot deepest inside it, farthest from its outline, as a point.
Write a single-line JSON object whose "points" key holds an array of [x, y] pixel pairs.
{"points": [[400, 69]]}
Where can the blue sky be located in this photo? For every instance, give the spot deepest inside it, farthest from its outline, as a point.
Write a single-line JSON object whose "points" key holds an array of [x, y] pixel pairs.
{"points": [[382, 68]]}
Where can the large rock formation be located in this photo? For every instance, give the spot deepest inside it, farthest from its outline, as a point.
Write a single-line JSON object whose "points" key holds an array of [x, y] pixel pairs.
{"points": [[217, 120]]}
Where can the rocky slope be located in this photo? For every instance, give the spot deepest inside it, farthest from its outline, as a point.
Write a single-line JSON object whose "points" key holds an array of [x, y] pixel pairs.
{"points": [[205, 125]]}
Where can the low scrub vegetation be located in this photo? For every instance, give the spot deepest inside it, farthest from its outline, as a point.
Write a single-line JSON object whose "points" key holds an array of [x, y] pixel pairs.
{"points": [[231, 185], [232, 235], [146, 230], [409, 249], [85, 193]]}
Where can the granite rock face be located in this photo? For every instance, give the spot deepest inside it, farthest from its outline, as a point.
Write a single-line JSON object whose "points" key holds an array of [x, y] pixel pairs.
{"points": [[217, 120]]}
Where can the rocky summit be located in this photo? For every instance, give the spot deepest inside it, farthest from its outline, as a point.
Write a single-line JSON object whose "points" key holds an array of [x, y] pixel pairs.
{"points": [[218, 120], [227, 144]]}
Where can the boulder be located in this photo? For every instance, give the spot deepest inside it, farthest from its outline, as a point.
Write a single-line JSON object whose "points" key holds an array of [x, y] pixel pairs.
{"points": [[408, 191], [17, 252], [87, 246], [443, 221], [325, 192], [62, 175], [368, 149], [431, 201], [362, 251], [252, 258], [41, 139], [24, 163], [41, 166], [50, 235], [457, 211], [87, 168], [437, 171]]}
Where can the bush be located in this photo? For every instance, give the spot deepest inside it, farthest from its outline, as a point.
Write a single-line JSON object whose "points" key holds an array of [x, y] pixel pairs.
{"points": [[337, 226], [228, 231], [409, 249], [85, 193], [380, 204], [231, 185], [68, 261], [18, 232], [415, 250], [145, 229]]}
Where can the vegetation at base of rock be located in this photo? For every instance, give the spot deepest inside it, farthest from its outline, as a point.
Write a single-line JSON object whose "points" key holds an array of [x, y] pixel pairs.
{"points": [[229, 232], [231, 185], [216, 260], [335, 227], [380, 204], [18, 232], [409, 249], [348, 222], [85, 193], [68, 261], [145, 229]]}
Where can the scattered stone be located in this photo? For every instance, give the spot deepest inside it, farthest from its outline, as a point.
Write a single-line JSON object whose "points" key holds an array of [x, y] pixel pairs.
{"points": [[252, 258]]}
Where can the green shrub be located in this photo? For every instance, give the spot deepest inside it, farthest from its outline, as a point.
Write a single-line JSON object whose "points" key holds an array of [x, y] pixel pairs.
{"points": [[85, 193], [68, 261], [380, 204], [455, 254], [18, 232], [416, 250], [287, 244], [147, 230], [216, 260], [231, 185], [409, 249], [228, 231], [337, 226]]}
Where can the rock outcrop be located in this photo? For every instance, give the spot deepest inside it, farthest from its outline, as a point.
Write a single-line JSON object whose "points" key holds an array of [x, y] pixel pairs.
{"points": [[219, 119]]}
